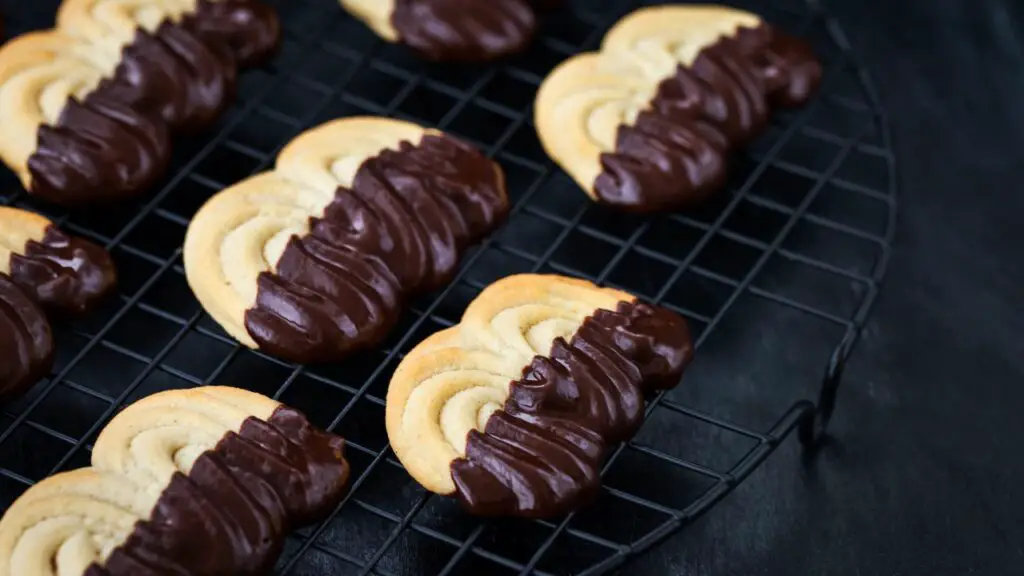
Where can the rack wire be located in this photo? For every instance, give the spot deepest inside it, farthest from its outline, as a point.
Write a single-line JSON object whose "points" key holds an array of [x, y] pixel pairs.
{"points": [[798, 244]]}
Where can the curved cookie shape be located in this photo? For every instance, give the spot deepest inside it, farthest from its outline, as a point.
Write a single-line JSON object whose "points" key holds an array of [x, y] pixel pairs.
{"points": [[315, 259], [512, 410], [61, 272], [26, 343], [647, 123], [107, 87], [248, 29], [457, 30], [203, 482]]}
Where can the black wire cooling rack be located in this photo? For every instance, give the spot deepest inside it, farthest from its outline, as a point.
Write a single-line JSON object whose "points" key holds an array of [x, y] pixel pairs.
{"points": [[797, 246]]}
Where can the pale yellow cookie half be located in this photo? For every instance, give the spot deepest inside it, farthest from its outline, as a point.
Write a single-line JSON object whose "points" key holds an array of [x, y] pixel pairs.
{"points": [[39, 71], [17, 228], [68, 521], [242, 231], [454, 381], [583, 101]]}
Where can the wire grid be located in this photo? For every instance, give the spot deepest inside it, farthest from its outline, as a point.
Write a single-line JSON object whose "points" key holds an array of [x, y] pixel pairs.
{"points": [[799, 243]]}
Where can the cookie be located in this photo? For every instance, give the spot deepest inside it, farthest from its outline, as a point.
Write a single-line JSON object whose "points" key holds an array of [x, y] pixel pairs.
{"points": [[248, 29], [61, 272], [512, 410], [112, 82], [317, 257], [647, 123], [202, 482], [41, 269], [456, 30], [26, 342]]}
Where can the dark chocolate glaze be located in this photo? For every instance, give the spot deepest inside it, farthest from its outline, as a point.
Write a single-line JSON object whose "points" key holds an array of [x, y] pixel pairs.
{"points": [[26, 343], [116, 142], [230, 514], [249, 28], [541, 455], [465, 30], [100, 149], [64, 273], [174, 75], [397, 232], [676, 151]]}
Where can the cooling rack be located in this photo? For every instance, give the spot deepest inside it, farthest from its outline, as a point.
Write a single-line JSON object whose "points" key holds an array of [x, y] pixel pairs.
{"points": [[797, 245]]}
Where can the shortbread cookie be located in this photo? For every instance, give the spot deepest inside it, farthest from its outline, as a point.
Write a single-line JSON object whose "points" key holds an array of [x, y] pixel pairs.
{"points": [[26, 343], [317, 257], [458, 30], [512, 410], [87, 107], [61, 272], [248, 28], [647, 123], [205, 482]]}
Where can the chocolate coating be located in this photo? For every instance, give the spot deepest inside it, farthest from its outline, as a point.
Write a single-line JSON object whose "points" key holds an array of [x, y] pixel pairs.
{"points": [[174, 75], [464, 30], [64, 273], [26, 343], [541, 455], [398, 231], [116, 143], [676, 151], [230, 514], [249, 28], [100, 149]]}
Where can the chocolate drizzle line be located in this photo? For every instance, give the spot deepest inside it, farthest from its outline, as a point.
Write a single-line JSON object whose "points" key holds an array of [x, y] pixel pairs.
{"points": [[399, 231], [541, 455], [63, 273], [230, 514], [465, 30], [116, 142], [26, 344], [676, 151]]}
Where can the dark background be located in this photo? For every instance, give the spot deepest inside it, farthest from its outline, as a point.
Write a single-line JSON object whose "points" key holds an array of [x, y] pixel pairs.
{"points": [[924, 474], [921, 475]]}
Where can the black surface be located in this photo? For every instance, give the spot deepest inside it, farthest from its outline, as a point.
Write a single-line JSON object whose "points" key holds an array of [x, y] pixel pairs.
{"points": [[924, 476], [919, 478]]}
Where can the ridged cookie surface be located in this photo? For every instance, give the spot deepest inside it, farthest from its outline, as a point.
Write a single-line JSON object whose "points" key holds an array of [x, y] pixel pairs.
{"points": [[458, 30], [87, 107], [41, 268], [316, 258], [59, 271], [512, 410], [204, 482], [647, 123]]}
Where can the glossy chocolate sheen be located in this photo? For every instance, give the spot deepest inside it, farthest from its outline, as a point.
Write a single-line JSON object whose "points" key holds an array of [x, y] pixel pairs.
{"points": [[64, 273], [230, 514], [100, 149], [465, 30], [26, 343], [541, 455], [249, 28], [676, 151], [174, 75], [399, 231], [116, 143]]}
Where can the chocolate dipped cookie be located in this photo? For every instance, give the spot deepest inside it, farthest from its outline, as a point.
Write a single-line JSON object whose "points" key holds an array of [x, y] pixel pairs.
{"points": [[455, 30], [317, 257], [88, 107], [205, 482], [647, 123], [41, 269], [512, 410], [26, 342]]}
